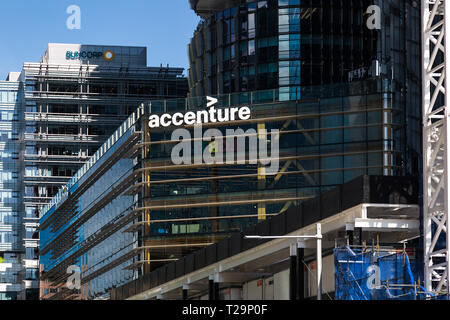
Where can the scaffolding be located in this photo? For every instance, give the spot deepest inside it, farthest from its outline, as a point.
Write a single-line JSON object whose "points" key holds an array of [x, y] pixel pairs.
{"points": [[377, 274]]}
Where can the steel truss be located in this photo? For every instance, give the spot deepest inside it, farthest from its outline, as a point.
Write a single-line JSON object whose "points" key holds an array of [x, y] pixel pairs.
{"points": [[435, 139]]}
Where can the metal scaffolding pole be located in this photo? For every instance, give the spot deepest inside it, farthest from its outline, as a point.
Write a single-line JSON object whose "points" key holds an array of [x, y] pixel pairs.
{"points": [[319, 261], [435, 138]]}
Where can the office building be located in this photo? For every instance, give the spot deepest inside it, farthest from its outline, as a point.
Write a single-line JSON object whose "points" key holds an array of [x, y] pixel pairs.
{"points": [[71, 101], [74, 99], [257, 45], [12, 277], [132, 209], [343, 97], [244, 46], [350, 216]]}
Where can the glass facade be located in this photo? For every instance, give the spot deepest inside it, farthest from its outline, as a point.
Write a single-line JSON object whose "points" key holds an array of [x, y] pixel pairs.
{"points": [[85, 223], [11, 207], [68, 115], [131, 208], [333, 135], [291, 44], [71, 108], [337, 99], [88, 252]]}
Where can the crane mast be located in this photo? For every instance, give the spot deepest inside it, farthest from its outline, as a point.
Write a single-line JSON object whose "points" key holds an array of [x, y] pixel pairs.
{"points": [[436, 135]]}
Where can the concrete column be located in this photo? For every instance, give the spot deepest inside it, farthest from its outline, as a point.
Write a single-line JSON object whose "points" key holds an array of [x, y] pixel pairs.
{"points": [[357, 236], [211, 288], [300, 272], [350, 234], [293, 272], [216, 286], [185, 292], [216, 290]]}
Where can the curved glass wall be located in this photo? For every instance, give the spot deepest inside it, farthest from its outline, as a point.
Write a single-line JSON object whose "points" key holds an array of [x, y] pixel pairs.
{"points": [[289, 45]]}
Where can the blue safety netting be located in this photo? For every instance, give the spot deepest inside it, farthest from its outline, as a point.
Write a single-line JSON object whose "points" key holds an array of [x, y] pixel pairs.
{"points": [[375, 275]]}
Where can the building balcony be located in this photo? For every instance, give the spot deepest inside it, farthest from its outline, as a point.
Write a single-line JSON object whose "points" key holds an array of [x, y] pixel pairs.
{"points": [[11, 266], [46, 180], [31, 284], [10, 287], [31, 264], [31, 243], [31, 218], [41, 137], [73, 118], [38, 158], [8, 246]]}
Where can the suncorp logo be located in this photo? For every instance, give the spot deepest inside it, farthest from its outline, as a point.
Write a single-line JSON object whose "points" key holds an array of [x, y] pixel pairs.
{"points": [[108, 55], [85, 55]]}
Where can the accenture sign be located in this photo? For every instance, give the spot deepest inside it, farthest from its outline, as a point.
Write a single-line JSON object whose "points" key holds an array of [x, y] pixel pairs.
{"points": [[212, 115], [235, 147]]}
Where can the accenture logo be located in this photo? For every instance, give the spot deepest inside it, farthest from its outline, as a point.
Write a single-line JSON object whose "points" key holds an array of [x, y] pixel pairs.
{"points": [[212, 115], [232, 147]]}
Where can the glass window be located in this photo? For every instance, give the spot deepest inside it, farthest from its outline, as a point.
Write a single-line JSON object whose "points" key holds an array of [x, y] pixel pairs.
{"points": [[251, 47]]}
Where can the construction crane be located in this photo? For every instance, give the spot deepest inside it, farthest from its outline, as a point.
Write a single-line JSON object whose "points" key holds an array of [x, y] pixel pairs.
{"points": [[436, 136]]}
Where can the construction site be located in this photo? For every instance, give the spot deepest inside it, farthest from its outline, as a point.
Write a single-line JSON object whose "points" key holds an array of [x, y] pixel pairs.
{"points": [[357, 210], [354, 204], [373, 238]]}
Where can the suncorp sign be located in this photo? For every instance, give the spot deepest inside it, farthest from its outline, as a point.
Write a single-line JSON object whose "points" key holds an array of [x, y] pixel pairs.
{"points": [[85, 55]]}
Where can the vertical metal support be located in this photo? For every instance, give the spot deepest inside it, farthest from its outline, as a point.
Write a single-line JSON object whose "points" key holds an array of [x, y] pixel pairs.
{"points": [[185, 292], [261, 172], [293, 273], [216, 291], [216, 286], [318, 237], [146, 195], [436, 155], [446, 187], [211, 288], [349, 228], [357, 236], [319, 261], [300, 272]]}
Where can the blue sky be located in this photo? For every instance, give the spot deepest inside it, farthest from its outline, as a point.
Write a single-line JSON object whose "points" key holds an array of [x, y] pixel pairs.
{"points": [[163, 26]]}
